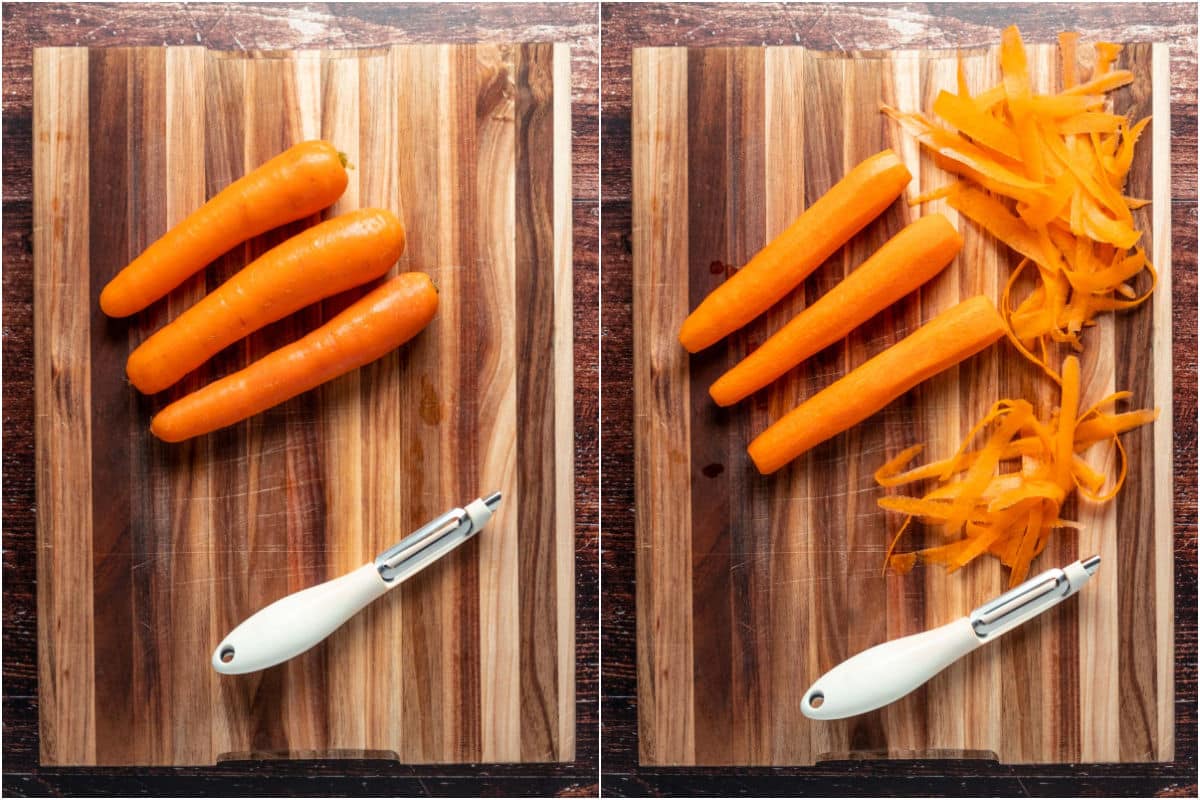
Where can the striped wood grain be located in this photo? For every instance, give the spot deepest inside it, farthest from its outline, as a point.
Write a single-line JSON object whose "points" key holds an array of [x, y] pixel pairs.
{"points": [[666, 707], [62, 291], [748, 587], [149, 553]]}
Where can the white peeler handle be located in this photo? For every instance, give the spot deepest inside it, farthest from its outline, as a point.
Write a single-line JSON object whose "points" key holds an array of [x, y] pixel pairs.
{"points": [[888, 671], [288, 627]]}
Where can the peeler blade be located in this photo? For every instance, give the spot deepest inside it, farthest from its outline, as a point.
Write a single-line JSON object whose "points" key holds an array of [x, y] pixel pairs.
{"points": [[435, 539], [1031, 598]]}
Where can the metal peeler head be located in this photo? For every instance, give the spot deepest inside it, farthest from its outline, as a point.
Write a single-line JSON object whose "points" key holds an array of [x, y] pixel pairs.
{"points": [[433, 540], [1031, 598]]}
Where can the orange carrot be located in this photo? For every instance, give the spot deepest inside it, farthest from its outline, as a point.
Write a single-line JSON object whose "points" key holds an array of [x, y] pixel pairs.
{"points": [[906, 261], [296, 183], [950, 337], [381, 321], [336, 255], [788, 259]]}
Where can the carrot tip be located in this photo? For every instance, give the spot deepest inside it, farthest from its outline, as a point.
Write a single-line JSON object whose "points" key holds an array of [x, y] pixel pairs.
{"points": [[156, 428], [112, 306]]}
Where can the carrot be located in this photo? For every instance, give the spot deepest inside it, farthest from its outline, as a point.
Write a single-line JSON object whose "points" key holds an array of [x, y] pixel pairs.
{"points": [[1010, 515], [906, 261], [336, 255], [788, 259], [294, 184], [948, 338], [378, 323]]}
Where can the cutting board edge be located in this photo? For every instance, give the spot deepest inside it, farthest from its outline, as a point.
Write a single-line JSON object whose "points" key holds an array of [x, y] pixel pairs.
{"points": [[1164, 373]]}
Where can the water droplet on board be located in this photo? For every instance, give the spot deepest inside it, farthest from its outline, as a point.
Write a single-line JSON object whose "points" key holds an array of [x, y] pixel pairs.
{"points": [[431, 406]]}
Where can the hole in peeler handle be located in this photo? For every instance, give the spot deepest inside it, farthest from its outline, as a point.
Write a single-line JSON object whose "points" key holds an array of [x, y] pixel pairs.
{"points": [[226, 654], [816, 700]]}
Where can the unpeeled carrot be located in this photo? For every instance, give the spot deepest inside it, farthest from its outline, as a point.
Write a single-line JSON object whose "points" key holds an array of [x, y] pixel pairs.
{"points": [[337, 255], [296, 183], [950, 337], [378, 323], [906, 261], [826, 225]]}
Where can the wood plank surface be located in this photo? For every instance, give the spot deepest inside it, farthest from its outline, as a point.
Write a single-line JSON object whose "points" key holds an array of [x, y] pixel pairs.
{"points": [[750, 587], [62, 287], [167, 547], [664, 553]]}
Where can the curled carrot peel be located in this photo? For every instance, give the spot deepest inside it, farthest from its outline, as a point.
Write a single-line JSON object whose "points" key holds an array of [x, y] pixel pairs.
{"points": [[1044, 174], [339, 254], [1010, 515], [295, 184], [376, 324], [1068, 41]]}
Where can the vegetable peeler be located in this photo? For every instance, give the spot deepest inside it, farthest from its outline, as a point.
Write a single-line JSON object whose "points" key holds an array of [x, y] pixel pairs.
{"points": [[289, 626], [889, 671]]}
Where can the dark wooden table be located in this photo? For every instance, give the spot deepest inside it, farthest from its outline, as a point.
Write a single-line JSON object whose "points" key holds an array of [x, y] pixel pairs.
{"points": [[875, 27], [276, 27]]}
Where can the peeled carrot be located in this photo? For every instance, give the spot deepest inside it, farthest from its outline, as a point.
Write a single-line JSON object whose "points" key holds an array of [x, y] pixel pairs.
{"points": [[788, 259], [952, 336], [905, 262], [378, 323], [336, 255], [296, 183]]}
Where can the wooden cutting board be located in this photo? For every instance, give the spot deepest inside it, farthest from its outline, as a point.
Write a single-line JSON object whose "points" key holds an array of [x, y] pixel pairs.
{"points": [[148, 553], [751, 587]]}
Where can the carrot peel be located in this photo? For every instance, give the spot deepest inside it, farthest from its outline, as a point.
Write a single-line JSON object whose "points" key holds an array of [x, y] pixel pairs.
{"points": [[1011, 515], [1044, 174]]}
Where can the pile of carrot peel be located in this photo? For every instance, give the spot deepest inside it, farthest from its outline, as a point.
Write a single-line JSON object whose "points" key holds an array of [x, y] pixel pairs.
{"points": [[1045, 174], [1011, 514]]}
